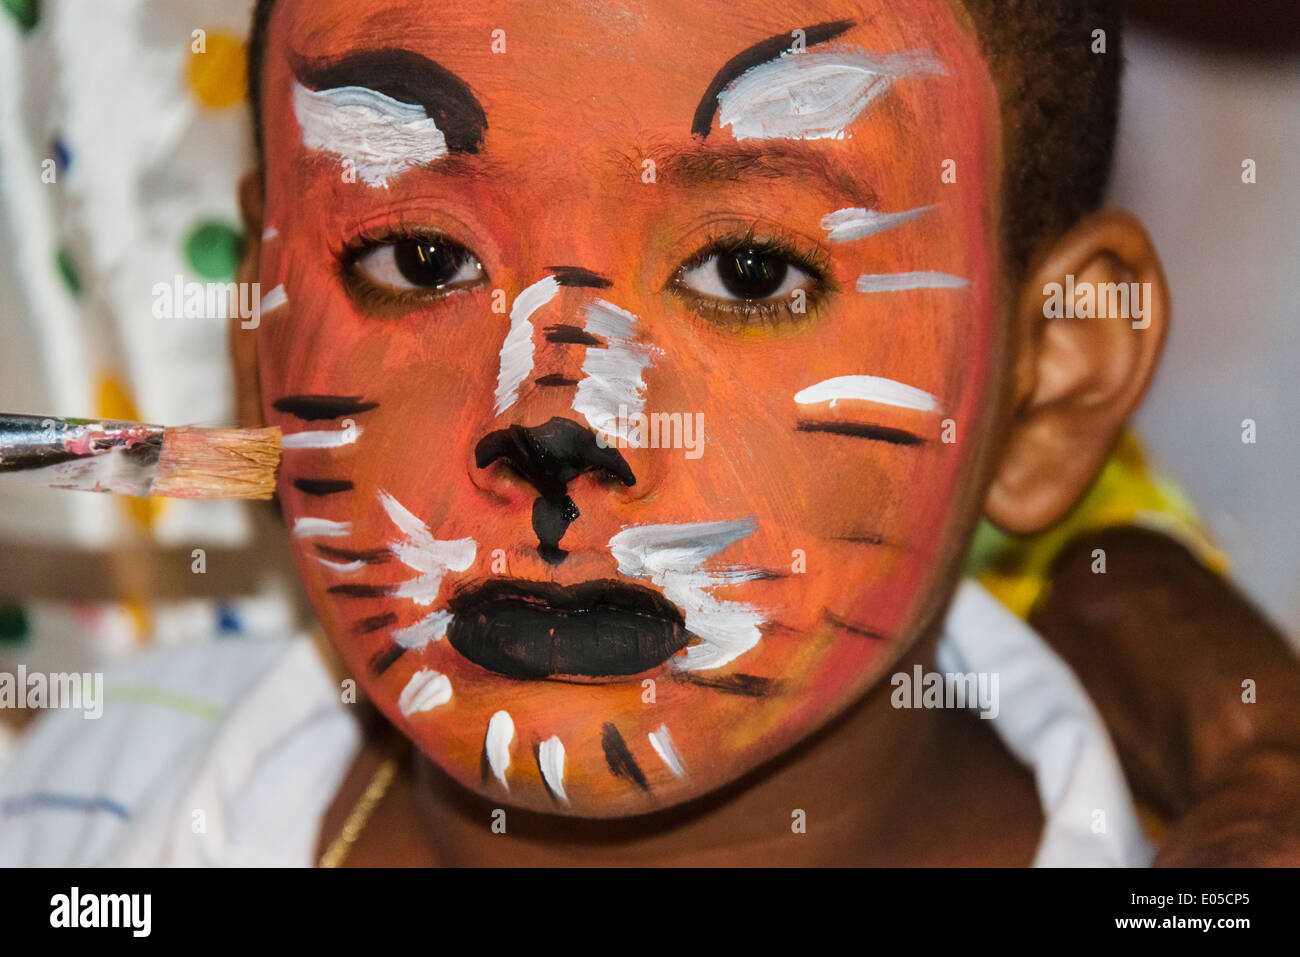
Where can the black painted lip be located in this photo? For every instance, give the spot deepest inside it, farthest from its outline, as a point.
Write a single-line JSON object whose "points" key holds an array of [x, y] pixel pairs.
{"points": [[596, 629]]}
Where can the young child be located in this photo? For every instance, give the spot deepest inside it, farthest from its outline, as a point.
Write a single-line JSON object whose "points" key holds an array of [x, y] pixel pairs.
{"points": [[645, 371]]}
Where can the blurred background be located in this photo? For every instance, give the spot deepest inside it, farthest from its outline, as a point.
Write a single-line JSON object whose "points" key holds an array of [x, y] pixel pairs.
{"points": [[123, 132]]}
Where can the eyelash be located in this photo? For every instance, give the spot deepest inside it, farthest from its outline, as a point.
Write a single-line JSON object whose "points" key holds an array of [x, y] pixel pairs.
{"points": [[751, 314]]}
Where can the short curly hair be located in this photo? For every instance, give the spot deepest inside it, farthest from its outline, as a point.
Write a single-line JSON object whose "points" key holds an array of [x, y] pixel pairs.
{"points": [[1060, 103]]}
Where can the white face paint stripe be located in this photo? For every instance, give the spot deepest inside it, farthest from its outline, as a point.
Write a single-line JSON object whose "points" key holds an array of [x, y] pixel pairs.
{"points": [[868, 388], [378, 135], [899, 281], [854, 222], [274, 299], [517, 350], [662, 742], [613, 376], [410, 526], [673, 557], [321, 439], [500, 733], [269, 234], [809, 96], [342, 568], [550, 761], [312, 527], [427, 629], [423, 553], [426, 690]]}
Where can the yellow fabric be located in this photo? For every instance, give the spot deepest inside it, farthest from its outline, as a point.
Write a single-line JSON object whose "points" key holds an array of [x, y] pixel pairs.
{"points": [[1015, 568]]}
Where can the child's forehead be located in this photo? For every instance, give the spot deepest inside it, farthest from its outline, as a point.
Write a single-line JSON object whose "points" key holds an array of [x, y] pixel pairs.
{"points": [[622, 73]]}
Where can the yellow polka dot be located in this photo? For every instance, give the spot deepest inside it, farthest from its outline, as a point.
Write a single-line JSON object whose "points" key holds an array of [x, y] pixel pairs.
{"points": [[217, 75]]}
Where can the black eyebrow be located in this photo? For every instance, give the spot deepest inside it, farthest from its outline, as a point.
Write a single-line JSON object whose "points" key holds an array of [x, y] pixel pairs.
{"points": [[408, 77], [768, 49]]}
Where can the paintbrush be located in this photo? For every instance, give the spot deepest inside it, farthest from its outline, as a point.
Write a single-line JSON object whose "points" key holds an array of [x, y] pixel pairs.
{"points": [[131, 458]]}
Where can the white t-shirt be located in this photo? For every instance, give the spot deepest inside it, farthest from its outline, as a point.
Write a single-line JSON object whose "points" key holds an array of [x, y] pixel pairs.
{"points": [[229, 754]]}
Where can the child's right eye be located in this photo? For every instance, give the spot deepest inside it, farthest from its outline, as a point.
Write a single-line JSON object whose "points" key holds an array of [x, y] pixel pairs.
{"points": [[433, 265]]}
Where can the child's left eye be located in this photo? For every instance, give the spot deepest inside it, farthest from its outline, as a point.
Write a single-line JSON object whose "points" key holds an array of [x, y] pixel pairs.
{"points": [[419, 264], [747, 275], [748, 281]]}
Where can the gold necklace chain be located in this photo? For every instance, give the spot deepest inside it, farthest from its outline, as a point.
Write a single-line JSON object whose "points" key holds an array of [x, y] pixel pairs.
{"points": [[341, 846]]}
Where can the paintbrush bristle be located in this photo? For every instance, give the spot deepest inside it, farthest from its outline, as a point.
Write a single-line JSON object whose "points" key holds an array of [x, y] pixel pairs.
{"points": [[218, 463]]}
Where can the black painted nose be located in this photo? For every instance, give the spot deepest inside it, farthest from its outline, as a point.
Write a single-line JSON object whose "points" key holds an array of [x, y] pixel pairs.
{"points": [[549, 457]]}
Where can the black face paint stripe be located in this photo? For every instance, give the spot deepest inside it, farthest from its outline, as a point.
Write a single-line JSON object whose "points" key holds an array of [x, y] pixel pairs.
{"points": [[313, 407], [748, 686], [554, 379], [362, 591], [861, 539], [320, 487], [571, 335], [408, 77], [374, 623], [619, 758], [877, 433], [383, 660], [769, 49], [579, 277], [855, 629], [374, 556]]}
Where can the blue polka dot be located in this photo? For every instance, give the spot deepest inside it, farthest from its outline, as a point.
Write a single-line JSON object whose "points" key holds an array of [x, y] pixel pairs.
{"points": [[228, 622], [62, 158]]}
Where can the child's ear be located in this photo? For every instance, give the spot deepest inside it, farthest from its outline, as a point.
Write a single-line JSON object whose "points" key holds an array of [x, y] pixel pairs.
{"points": [[243, 342], [1078, 379]]}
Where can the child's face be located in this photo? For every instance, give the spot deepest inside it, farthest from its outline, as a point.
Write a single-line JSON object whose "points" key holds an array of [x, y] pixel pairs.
{"points": [[742, 589]]}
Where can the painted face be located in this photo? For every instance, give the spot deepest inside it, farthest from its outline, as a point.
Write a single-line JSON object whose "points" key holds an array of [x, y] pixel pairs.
{"points": [[633, 362]]}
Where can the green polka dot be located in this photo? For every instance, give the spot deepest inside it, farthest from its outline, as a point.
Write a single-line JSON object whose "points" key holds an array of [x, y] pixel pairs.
{"points": [[213, 250], [26, 12], [14, 627], [986, 547], [68, 270]]}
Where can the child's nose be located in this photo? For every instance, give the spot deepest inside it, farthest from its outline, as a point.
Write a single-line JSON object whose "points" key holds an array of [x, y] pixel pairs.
{"points": [[548, 457], [563, 364]]}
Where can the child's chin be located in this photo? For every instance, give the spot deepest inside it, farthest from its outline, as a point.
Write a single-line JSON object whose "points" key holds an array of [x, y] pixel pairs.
{"points": [[590, 800], [592, 790]]}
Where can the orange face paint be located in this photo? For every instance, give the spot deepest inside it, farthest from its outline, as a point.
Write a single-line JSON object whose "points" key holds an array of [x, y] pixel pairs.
{"points": [[633, 415]]}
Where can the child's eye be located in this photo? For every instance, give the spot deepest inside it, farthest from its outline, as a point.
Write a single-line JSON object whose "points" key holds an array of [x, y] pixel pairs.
{"points": [[744, 274], [749, 281], [430, 265]]}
